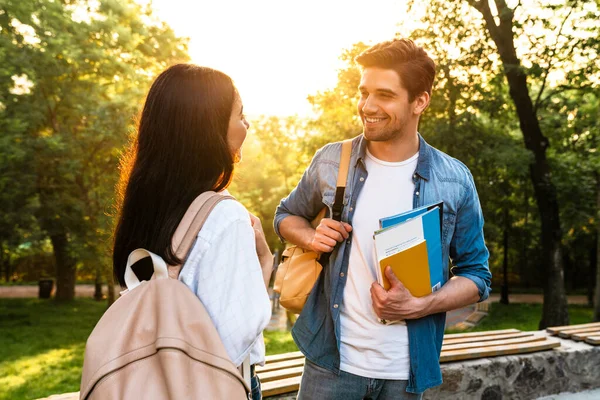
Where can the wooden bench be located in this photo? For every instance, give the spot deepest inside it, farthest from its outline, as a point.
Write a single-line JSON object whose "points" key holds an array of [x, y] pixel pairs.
{"points": [[590, 333], [282, 373]]}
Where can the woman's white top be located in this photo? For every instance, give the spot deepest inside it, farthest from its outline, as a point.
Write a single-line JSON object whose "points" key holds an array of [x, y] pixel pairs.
{"points": [[224, 272]]}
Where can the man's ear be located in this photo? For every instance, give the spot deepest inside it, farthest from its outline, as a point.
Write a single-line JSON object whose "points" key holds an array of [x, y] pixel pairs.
{"points": [[420, 103]]}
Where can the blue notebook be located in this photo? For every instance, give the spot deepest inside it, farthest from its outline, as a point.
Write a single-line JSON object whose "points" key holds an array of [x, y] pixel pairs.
{"points": [[431, 217]]}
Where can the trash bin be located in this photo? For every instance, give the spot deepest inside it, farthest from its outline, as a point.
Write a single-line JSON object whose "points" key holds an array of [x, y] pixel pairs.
{"points": [[45, 286]]}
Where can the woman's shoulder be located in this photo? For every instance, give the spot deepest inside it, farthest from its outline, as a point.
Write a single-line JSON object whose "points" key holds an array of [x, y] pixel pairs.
{"points": [[226, 213]]}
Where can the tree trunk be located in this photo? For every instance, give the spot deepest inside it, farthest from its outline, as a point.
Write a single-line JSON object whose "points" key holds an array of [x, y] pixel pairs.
{"points": [[597, 301], [65, 268], [594, 254], [110, 295], [6, 265], [504, 291], [555, 310], [98, 285], [524, 262]]}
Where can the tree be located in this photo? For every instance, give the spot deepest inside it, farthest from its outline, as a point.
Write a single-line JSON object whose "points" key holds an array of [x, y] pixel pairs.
{"points": [[336, 114], [503, 28], [85, 67], [271, 166]]}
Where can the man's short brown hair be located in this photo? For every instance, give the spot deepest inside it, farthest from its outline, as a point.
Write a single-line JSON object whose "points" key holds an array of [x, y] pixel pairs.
{"points": [[412, 64]]}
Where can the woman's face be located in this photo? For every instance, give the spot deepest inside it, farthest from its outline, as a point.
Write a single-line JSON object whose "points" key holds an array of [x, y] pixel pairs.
{"points": [[238, 127]]}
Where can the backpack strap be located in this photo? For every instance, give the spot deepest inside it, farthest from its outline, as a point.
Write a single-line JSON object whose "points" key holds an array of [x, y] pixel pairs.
{"points": [[342, 179], [191, 223]]}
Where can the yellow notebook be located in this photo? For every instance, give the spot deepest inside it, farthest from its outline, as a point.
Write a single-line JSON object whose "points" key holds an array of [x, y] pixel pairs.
{"points": [[411, 267]]}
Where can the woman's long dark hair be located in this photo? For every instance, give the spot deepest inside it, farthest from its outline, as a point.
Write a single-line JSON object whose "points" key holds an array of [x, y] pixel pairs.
{"points": [[180, 151]]}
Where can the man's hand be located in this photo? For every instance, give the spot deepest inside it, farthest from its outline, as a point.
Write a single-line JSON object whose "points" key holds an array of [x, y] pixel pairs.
{"points": [[328, 234], [397, 303]]}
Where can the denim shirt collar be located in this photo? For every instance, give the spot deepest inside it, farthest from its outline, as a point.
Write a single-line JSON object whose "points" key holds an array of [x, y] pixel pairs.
{"points": [[423, 164]]}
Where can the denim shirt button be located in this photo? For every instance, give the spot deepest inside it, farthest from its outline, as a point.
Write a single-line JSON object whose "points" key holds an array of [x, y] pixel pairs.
{"points": [[417, 193], [335, 306], [342, 274], [351, 209], [362, 179]]}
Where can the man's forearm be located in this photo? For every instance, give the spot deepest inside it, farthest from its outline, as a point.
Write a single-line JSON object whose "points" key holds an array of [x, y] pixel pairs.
{"points": [[458, 292], [297, 230]]}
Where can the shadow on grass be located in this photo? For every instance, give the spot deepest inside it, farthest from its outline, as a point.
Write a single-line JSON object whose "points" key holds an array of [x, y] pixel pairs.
{"points": [[52, 372], [525, 317], [43, 343]]}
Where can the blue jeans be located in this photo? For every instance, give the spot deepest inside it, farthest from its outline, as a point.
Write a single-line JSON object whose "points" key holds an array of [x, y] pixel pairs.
{"points": [[320, 383], [255, 386]]}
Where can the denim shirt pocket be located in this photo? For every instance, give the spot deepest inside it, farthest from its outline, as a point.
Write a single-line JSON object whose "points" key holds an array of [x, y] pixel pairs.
{"points": [[328, 200]]}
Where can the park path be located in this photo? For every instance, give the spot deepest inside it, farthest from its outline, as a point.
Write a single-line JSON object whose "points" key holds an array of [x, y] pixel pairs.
{"points": [[88, 291], [278, 319]]}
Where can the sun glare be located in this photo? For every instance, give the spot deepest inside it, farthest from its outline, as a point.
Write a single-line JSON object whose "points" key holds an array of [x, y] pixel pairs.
{"points": [[279, 52]]}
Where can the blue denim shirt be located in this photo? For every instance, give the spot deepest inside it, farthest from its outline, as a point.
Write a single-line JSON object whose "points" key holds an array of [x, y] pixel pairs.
{"points": [[437, 177]]}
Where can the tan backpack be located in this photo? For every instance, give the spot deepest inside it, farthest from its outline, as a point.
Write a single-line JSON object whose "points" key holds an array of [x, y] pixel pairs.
{"points": [[157, 341], [300, 268]]}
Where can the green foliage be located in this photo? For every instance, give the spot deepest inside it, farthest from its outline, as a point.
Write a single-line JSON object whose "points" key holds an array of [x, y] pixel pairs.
{"points": [[86, 67], [336, 114], [271, 166]]}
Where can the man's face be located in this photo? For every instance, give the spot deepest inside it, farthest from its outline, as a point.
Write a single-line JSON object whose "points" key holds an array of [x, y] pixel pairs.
{"points": [[383, 106]]}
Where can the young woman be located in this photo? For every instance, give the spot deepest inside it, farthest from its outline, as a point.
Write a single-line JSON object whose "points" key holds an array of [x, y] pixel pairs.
{"points": [[190, 136]]}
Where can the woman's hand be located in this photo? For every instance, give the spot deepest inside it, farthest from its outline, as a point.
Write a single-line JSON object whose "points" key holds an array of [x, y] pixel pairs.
{"points": [[262, 248]]}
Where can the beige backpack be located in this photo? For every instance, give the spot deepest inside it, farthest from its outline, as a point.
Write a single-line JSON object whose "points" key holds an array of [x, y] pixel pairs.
{"points": [[157, 341]]}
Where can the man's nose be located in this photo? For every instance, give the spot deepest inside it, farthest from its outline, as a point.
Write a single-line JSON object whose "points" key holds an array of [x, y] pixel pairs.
{"points": [[369, 106]]}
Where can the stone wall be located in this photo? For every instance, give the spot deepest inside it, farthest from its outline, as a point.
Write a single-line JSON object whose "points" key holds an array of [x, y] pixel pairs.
{"points": [[572, 367]]}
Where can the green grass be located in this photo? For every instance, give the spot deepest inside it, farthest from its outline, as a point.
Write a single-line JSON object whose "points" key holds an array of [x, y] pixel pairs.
{"points": [[278, 342], [42, 345], [42, 342]]}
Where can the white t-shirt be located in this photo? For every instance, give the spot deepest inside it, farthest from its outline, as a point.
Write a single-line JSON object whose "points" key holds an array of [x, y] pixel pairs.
{"points": [[368, 347], [224, 272]]}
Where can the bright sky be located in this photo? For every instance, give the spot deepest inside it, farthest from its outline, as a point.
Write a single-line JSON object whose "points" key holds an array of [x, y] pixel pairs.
{"points": [[279, 51]]}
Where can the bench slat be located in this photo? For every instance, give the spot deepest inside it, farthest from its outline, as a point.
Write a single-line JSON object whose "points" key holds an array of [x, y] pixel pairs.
{"points": [[567, 334], [280, 387], [493, 351], [595, 340], [583, 336], [555, 329], [486, 338], [280, 374], [298, 362], [283, 357], [479, 334], [461, 346]]}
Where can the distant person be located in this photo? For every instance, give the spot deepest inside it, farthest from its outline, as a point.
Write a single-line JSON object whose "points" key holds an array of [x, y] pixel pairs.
{"points": [[349, 353], [190, 136]]}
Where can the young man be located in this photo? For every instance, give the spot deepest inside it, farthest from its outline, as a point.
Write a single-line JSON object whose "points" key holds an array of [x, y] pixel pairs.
{"points": [[349, 353]]}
